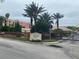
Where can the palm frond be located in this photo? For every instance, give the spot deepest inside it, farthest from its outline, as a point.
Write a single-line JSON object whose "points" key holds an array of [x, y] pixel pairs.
{"points": [[57, 16]]}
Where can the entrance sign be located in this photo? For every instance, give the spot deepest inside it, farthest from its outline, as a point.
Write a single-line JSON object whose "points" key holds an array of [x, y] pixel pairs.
{"points": [[35, 36]]}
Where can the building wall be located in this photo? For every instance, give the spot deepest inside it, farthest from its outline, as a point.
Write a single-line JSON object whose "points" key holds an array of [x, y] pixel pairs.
{"points": [[25, 26], [9, 22], [25, 30]]}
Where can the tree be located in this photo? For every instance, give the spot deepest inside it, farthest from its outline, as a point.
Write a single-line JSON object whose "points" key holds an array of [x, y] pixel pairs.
{"points": [[74, 28], [5, 29], [59, 33], [37, 10], [43, 23], [32, 11], [57, 16], [17, 27], [2, 18], [7, 15]]}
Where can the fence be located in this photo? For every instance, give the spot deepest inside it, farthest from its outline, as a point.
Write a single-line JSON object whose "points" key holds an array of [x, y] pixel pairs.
{"points": [[45, 36], [14, 34]]}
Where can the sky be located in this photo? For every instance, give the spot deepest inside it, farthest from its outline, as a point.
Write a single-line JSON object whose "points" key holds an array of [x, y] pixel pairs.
{"points": [[69, 8]]}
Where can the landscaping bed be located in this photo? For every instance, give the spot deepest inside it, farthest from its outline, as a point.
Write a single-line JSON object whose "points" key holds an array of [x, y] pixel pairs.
{"points": [[14, 37]]}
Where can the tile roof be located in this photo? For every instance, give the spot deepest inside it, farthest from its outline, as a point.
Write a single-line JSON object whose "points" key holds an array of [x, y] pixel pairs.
{"points": [[25, 24]]}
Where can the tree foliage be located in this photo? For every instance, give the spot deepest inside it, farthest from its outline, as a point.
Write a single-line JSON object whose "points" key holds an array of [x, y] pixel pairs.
{"points": [[43, 24], [2, 18], [5, 29], [73, 28], [17, 27], [7, 15], [57, 16], [33, 10]]}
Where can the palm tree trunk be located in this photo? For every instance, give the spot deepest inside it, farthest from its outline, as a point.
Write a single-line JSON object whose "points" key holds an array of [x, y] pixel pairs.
{"points": [[5, 22], [31, 22], [35, 20], [57, 23]]}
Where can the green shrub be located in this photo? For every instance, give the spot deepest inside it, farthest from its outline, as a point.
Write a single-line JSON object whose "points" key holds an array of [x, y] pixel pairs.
{"points": [[5, 28], [73, 28], [60, 32], [66, 33]]}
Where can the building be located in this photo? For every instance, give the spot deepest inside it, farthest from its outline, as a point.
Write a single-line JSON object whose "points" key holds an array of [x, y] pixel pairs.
{"points": [[64, 28], [25, 26], [9, 22]]}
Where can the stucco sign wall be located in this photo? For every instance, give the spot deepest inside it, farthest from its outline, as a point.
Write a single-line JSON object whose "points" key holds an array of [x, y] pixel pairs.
{"points": [[35, 36]]}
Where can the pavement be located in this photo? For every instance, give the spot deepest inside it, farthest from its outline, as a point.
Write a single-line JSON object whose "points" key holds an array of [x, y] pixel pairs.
{"points": [[70, 47], [10, 49]]}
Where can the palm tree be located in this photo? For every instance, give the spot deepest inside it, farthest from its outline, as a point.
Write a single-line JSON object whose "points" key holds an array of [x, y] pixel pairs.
{"points": [[32, 11], [46, 18], [43, 23], [28, 13], [57, 16], [2, 18], [37, 10], [7, 15]]}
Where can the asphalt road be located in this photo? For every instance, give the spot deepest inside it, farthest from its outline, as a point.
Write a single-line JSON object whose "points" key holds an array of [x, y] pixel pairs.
{"points": [[71, 48], [10, 49]]}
